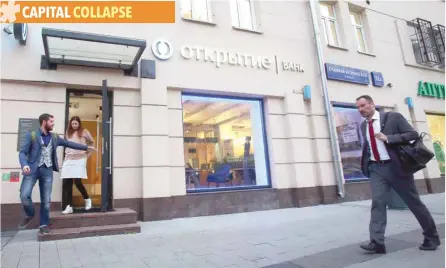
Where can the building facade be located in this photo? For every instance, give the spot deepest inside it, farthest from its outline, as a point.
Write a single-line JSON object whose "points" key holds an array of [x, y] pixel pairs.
{"points": [[225, 112]]}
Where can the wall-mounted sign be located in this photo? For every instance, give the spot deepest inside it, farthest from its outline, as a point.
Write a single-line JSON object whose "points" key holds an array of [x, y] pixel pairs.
{"points": [[21, 32], [377, 79], [433, 90], [292, 66], [14, 176], [347, 74], [220, 57], [162, 49], [5, 176], [26, 125]]}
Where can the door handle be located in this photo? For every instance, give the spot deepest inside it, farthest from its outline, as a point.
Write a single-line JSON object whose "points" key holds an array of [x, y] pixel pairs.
{"points": [[97, 146], [110, 122]]}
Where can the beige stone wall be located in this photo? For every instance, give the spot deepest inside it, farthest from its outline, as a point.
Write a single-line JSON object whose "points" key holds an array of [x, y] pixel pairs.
{"points": [[127, 152], [24, 100], [148, 136]]}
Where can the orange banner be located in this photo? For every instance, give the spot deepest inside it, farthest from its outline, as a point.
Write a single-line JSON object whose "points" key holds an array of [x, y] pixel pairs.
{"points": [[87, 11]]}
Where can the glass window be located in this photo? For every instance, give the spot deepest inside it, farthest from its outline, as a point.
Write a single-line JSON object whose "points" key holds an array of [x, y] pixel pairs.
{"points": [[329, 24], [242, 14], [350, 139], [196, 10], [358, 30], [224, 143], [436, 130]]}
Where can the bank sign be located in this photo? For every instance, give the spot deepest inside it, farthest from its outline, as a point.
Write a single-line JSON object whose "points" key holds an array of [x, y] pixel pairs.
{"points": [[163, 50], [428, 89]]}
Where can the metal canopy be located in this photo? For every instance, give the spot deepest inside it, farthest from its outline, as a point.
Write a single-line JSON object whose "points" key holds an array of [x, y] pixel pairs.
{"points": [[93, 50]]}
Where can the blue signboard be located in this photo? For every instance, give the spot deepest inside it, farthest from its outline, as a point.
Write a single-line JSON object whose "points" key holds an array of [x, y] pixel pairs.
{"points": [[377, 79], [347, 74]]}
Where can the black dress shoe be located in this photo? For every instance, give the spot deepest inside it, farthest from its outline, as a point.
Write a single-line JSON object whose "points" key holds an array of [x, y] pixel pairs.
{"points": [[429, 245], [374, 247]]}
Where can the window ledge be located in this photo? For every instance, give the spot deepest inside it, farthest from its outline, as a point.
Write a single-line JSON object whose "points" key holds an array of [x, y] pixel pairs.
{"points": [[200, 21], [246, 30], [337, 47], [367, 54], [425, 67]]}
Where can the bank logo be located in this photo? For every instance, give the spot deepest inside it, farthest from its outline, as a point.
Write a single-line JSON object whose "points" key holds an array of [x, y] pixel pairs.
{"points": [[162, 49], [8, 11]]}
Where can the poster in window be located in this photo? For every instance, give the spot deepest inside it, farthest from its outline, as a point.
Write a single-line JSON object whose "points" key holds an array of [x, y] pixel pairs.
{"points": [[348, 122], [350, 133]]}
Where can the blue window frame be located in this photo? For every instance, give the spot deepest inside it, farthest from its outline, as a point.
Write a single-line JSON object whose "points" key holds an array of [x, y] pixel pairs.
{"points": [[225, 145]]}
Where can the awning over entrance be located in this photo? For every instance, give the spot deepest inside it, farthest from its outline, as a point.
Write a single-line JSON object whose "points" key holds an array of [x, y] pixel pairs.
{"points": [[87, 49]]}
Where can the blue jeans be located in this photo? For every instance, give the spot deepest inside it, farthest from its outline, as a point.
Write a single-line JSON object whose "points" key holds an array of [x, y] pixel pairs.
{"points": [[45, 177]]}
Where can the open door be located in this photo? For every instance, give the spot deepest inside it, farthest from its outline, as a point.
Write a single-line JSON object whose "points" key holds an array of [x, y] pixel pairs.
{"points": [[107, 148]]}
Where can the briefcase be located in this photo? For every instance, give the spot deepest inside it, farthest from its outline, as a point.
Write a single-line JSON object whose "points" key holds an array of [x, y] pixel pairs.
{"points": [[415, 155]]}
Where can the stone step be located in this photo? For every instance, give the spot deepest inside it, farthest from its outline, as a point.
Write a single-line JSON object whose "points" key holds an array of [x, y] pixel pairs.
{"points": [[89, 219], [89, 231]]}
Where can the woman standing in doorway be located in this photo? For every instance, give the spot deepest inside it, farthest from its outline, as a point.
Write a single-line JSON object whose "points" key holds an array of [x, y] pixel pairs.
{"points": [[74, 167]]}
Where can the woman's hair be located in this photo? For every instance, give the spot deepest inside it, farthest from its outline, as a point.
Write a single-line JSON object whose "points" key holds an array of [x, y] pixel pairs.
{"points": [[70, 130]]}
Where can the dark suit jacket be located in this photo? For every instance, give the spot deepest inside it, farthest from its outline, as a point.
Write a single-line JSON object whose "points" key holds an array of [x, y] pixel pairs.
{"points": [[398, 131], [30, 152]]}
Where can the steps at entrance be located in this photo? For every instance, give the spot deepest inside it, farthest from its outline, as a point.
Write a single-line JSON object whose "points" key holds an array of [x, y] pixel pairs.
{"points": [[76, 225], [69, 233], [119, 216]]}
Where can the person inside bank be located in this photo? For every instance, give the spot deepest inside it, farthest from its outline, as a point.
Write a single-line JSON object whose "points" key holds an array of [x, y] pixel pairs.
{"points": [[74, 167]]}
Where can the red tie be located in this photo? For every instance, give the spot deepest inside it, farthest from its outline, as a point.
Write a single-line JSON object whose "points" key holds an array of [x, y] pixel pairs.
{"points": [[373, 140]]}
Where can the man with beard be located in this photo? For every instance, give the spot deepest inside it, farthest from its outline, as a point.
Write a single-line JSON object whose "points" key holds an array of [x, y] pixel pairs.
{"points": [[38, 159], [382, 133]]}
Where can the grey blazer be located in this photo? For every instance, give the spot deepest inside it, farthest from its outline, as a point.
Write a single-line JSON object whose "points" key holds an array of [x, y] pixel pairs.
{"points": [[398, 131]]}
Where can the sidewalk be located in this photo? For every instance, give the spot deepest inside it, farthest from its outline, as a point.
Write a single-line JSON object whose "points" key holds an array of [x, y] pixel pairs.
{"points": [[311, 237]]}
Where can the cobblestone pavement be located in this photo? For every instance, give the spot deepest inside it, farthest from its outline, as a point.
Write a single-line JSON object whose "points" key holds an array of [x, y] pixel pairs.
{"points": [[311, 237]]}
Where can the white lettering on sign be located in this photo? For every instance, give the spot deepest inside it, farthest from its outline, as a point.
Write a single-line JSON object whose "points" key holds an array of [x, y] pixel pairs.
{"points": [[221, 57], [186, 52], [347, 72], [291, 66]]}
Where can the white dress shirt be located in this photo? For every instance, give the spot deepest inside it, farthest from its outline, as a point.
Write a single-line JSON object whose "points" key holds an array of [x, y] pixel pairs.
{"points": [[383, 154]]}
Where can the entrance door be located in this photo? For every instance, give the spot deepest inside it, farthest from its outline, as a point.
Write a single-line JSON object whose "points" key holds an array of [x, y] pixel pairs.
{"points": [[94, 110], [107, 148]]}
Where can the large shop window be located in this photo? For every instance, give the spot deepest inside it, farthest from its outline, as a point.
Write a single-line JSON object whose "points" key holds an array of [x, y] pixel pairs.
{"points": [[436, 130], [224, 143], [348, 127]]}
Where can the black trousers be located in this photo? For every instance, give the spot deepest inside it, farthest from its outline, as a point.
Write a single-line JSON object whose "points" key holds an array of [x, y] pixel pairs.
{"points": [[67, 190]]}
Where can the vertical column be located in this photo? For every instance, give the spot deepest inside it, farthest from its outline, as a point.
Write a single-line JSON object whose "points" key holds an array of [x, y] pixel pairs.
{"points": [[325, 171], [155, 140], [300, 142], [277, 137], [176, 143], [127, 152]]}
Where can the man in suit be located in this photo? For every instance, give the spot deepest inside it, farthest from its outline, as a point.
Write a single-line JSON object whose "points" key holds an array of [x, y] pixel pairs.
{"points": [[38, 159], [380, 162]]}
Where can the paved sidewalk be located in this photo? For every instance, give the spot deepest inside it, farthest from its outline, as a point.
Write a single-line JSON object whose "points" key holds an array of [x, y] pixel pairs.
{"points": [[311, 237]]}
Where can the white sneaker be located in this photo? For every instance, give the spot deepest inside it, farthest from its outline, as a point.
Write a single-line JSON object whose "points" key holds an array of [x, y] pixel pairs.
{"points": [[87, 204], [68, 210]]}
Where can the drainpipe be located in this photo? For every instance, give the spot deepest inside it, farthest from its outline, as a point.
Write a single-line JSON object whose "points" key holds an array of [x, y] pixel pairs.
{"points": [[331, 124]]}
